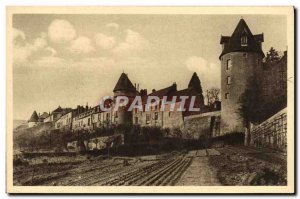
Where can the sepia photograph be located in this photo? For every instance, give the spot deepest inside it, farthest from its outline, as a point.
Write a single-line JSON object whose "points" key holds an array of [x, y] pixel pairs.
{"points": [[150, 100]]}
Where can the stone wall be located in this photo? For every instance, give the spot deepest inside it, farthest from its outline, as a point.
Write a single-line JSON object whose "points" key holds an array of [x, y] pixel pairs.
{"points": [[205, 125], [271, 133]]}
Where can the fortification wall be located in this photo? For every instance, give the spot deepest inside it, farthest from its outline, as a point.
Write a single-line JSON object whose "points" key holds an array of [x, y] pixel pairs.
{"points": [[271, 133], [205, 125]]}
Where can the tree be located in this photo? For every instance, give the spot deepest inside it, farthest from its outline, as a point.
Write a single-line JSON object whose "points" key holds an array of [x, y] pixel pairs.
{"points": [[252, 109], [212, 95], [272, 56]]}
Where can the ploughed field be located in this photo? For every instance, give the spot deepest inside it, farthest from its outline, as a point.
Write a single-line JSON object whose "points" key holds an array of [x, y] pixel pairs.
{"points": [[146, 170], [240, 165]]}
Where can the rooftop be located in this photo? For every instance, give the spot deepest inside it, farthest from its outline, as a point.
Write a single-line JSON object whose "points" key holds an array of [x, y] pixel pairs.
{"points": [[233, 43]]}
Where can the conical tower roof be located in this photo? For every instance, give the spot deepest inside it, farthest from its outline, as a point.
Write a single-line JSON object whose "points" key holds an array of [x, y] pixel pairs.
{"points": [[124, 84], [195, 83], [34, 117], [241, 29], [233, 43]]}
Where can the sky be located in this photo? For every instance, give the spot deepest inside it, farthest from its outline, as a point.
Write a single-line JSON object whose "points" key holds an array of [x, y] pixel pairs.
{"points": [[70, 60]]}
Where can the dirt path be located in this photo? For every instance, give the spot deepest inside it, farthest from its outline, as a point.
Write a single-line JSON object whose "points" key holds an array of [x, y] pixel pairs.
{"points": [[199, 173]]}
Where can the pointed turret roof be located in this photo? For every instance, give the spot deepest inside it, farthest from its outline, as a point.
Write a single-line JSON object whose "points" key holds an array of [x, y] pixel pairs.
{"points": [[233, 43], [241, 29], [34, 117], [124, 84], [195, 83]]}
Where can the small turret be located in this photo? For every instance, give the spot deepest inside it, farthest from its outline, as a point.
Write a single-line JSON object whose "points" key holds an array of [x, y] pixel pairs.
{"points": [[33, 120]]}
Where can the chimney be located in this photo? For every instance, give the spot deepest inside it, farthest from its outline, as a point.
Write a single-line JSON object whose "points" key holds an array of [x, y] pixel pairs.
{"points": [[138, 86], [86, 107], [135, 85]]}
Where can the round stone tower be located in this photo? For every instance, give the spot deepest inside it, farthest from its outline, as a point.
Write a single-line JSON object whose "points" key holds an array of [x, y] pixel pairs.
{"points": [[124, 87], [241, 58]]}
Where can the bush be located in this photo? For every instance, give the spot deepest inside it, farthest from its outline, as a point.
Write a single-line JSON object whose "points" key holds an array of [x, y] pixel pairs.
{"points": [[236, 138]]}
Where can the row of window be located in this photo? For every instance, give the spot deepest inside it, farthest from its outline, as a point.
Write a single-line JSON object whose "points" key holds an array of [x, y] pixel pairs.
{"points": [[148, 117]]}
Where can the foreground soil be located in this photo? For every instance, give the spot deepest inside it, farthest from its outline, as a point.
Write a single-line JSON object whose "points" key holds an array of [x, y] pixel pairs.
{"points": [[249, 166], [206, 167], [163, 169]]}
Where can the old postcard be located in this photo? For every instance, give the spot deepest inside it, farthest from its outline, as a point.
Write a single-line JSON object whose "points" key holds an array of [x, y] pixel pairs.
{"points": [[150, 100]]}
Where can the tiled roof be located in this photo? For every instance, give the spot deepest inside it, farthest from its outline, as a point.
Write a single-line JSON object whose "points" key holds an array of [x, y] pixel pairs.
{"points": [[44, 115], [34, 117], [124, 84], [233, 43], [165, 91], [195, 83], [59, 109]]}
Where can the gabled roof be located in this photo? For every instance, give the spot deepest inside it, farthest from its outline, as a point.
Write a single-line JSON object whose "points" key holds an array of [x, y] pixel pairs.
{"points": [[59, 109], [124, 84], [186, 92], [34, 117], [165, 91], [44, 115], [233, 43]]}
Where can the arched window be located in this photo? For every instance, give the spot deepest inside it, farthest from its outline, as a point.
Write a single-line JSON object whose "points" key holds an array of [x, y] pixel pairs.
{"points": [[244, 40]]}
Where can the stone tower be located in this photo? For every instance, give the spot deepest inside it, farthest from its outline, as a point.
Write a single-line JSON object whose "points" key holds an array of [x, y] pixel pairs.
{"points": [[241, 58], [124, 87]]}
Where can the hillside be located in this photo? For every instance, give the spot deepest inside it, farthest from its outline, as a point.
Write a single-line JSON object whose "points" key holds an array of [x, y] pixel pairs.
{"points": [[33, 131], [19, 123]]}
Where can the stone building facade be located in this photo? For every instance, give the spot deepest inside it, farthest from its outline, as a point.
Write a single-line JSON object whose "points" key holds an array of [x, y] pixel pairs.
{"points": [[64, 122], [241, 58]]}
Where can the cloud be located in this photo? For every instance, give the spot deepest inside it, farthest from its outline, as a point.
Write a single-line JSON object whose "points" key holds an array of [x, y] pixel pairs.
{"points": [[52, 51], [40, 43], [209, 73], [81, 45], [104, 41], [61, 31], [113, 26], [51, 61], [133, 42], [24, 51], [18, 34], [21, 53]]}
